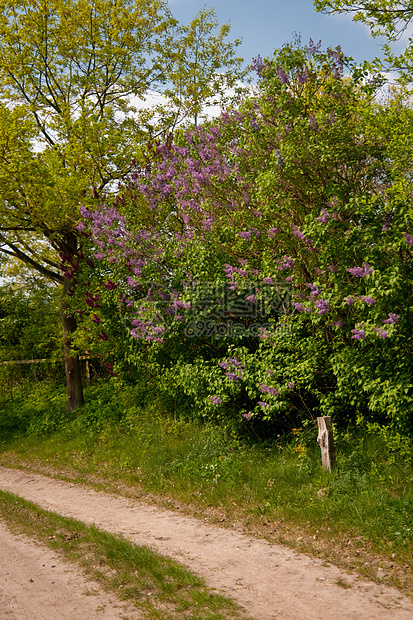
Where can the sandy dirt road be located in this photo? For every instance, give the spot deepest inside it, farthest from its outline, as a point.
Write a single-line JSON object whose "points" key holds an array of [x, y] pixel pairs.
{"points": [[36, 585], [268, 581]]}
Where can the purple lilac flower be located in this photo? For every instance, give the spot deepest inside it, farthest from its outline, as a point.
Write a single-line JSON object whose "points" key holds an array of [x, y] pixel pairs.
{"points": [[408, 238], [247, 416], [103, 336], [96, 319], [208, 223], [313, 288], [282, 76], [384, 333], [291, 385], [258, 65], [350, 300], [298, 306], [268, 280], [324, 217], [337, 324], [263, 404], [358, 334], [110, 285], [252, 299], [313, 48], [233, 376], [246, 234], [313, 123], [333, 268], [216, 400], [80, 226], [360, 272], [272, 232], [286, 263], [133, 283], [322, 305], [268, 389], [298, 233], [393, 318], [369, 300]]}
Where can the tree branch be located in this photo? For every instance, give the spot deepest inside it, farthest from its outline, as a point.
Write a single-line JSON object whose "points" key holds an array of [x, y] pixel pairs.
{"points": [[17, 253]]}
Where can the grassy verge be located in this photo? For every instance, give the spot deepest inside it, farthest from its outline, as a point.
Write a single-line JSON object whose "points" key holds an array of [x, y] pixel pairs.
{"points": [[360, 516], [157, 585]]}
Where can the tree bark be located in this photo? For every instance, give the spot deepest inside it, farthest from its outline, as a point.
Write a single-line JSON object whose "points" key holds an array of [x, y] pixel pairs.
{"points": [[74, 385]]}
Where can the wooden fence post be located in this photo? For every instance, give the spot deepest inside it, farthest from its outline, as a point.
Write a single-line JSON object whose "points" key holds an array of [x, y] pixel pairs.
{"points": [[326, 442], [87, 372]]}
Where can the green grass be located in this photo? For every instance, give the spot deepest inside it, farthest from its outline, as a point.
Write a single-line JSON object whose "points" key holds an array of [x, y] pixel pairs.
{"points": [[361, 515], [159, 586]]}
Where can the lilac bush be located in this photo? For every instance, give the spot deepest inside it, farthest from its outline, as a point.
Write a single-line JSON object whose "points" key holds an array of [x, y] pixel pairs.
{"points": [[297, 188]]}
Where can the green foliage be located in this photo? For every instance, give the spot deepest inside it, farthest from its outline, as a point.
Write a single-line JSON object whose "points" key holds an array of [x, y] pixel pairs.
{"points": [[389, 18], [29, 323]]}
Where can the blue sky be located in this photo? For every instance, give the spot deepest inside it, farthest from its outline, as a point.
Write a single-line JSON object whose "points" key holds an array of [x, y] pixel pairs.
{"points": [[265, 25]]}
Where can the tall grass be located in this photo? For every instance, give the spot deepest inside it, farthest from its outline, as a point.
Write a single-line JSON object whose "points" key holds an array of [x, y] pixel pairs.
{"points": [[364, 509]]}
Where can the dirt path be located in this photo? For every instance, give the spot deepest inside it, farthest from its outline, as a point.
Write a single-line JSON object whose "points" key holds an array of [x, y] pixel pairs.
{"points": [[36, 585], [269, 581]]}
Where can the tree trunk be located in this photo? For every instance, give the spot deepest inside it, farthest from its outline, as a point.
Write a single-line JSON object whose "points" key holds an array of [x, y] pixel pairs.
{"points": [[72, 364]]}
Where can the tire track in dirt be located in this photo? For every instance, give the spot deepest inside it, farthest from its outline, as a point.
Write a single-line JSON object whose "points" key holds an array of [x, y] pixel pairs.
{"points": [[269, 581]]}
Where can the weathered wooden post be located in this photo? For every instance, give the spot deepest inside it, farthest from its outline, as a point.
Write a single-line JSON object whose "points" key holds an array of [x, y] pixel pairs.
{"points": [[326, 442], [87, 372]]}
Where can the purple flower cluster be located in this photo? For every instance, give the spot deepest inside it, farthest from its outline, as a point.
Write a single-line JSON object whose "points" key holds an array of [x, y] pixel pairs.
{"points": [[285, 263], [233, 368], [267, 389], [216, 400], [383, 333], [282, 75], [393, 318], [324, 217], [258, 65], [246, 234], [360, 272], [369, 300], [358, 334], [299, 306], [315, 291], [300, 235], [322, 305]]}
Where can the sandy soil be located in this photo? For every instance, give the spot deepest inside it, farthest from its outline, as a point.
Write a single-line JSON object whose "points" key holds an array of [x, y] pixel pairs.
{"points": [[269, 581], [36, 585]]}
